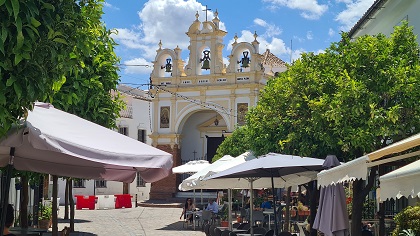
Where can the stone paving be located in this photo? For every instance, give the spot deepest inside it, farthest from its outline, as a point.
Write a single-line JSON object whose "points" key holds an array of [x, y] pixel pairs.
{"points": [[139, 221]]}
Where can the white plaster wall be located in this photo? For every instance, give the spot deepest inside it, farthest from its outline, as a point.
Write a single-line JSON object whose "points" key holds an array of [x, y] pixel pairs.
{"points": [[391, 15], [190, 142]]}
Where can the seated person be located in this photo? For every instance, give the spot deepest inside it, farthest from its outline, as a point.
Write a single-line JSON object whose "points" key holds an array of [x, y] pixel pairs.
{"points": [[266, 204], [212, 206], [188, 206], [9, 220]]}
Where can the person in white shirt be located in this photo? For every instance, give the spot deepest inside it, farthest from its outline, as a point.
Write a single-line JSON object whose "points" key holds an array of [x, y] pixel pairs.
{"points": [[212, 206]]}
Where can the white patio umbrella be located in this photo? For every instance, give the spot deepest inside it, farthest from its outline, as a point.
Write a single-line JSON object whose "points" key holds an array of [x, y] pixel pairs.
{"points": [[55, 142], [191, 167], [196, 181], [282, 170]]}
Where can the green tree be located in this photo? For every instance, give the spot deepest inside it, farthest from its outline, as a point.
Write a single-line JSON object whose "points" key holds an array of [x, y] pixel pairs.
{"points": [[88, 89], [33, 53], [234, 145], [60, 52], [356, 97]]}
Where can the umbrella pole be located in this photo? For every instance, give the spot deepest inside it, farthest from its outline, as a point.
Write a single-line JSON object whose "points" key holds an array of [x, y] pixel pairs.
{"points": [[54, 205], [201, 193], [193, 209], [230, 208], [5, 190], [276, 230], [251, 206]]}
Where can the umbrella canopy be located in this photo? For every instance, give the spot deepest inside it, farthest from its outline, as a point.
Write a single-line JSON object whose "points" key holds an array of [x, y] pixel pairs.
{"points": [[58, 143], [401, 182], [195, 181], [191, 167], [290, 170], [276, 165], [331, 217]]}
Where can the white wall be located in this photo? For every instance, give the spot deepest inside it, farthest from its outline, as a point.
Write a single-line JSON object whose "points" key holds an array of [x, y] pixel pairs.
{"points": [[391, 15]]}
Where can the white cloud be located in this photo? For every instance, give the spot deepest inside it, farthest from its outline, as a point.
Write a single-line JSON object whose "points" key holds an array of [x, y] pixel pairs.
{"points": [[260, 22], [108, 5], [137, 66], [276, 45], [353, 12], [311, 9], [309, 35], [270, 30], [162, 20], [331, 32]]}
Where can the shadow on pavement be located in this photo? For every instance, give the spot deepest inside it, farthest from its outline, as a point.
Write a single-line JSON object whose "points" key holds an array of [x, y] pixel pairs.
{"points": [[76, 233], [179, 226], [76, 221]]}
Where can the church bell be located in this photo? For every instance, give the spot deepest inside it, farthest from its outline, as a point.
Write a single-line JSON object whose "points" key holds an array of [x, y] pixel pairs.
{"points": [[168, 66], [245, 60], [206, 60], [206, 65]]}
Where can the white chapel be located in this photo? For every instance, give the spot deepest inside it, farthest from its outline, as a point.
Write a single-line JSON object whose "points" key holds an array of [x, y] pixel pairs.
{"points": [[199, 102]]}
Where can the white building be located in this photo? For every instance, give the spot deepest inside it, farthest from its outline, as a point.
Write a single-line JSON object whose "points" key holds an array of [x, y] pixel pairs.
{"points": [[384, 15]]}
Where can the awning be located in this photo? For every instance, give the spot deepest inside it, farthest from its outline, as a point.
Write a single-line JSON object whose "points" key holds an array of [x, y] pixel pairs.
{"points": [[358, 168], [397, 147], [404, 181], [352, 170]]}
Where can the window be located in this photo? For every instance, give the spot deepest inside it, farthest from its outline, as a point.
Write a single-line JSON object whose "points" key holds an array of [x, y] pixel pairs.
{"points": [[123, 130], [141, 135], [139, 181], [79, 183], [100, 183]]}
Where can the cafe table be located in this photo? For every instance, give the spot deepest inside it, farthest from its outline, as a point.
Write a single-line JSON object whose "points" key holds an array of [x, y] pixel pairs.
{"points": [[28, 231], [269, 213]]}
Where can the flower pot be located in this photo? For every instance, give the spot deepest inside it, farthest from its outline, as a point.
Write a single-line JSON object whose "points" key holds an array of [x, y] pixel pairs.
{"points": [[224, 223], [44, 224]]}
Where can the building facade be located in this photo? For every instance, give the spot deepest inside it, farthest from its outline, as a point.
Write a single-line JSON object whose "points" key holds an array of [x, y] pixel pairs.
{"points": [[197, 103]]}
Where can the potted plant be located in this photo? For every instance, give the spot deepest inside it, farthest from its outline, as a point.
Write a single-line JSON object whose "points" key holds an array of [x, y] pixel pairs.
{"points": [[45, 215], [224, 217]]}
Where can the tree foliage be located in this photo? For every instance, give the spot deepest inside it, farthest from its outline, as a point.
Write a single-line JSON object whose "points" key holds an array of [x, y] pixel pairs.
{"points": [[87, 88], [234, 145], [33, 53], [354, 98]]}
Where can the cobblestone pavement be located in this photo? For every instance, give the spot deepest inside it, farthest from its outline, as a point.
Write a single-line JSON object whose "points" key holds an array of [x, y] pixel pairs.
{"points": [[139, 221]]}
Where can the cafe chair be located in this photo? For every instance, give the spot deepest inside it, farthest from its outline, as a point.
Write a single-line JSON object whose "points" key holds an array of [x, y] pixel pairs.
{"points": [[260, 230], [226, 232], [269, 233]]}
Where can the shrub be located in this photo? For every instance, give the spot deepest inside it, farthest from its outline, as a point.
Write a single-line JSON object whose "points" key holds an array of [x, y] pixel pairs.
{"points": [[409, 218]]}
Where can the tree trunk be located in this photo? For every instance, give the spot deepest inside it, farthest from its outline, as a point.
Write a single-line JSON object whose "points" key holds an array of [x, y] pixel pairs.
{"points": [[71, 205], [66, 200], [381, 216], [359, 195], [24, 202]]}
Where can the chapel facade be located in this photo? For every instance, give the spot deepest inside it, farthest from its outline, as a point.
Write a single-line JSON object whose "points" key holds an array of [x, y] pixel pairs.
{"points": [[198, 103]]}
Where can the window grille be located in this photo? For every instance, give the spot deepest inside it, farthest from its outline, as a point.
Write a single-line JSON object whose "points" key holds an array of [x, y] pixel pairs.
{"points": [[139, 181]]}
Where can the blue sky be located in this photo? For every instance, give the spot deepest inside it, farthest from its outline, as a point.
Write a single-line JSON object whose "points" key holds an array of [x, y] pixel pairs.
{"points": [[286, 27]]}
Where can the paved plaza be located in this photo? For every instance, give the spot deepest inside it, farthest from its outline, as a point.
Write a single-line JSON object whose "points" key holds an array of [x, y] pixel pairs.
{"points": [[139, 221]]}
